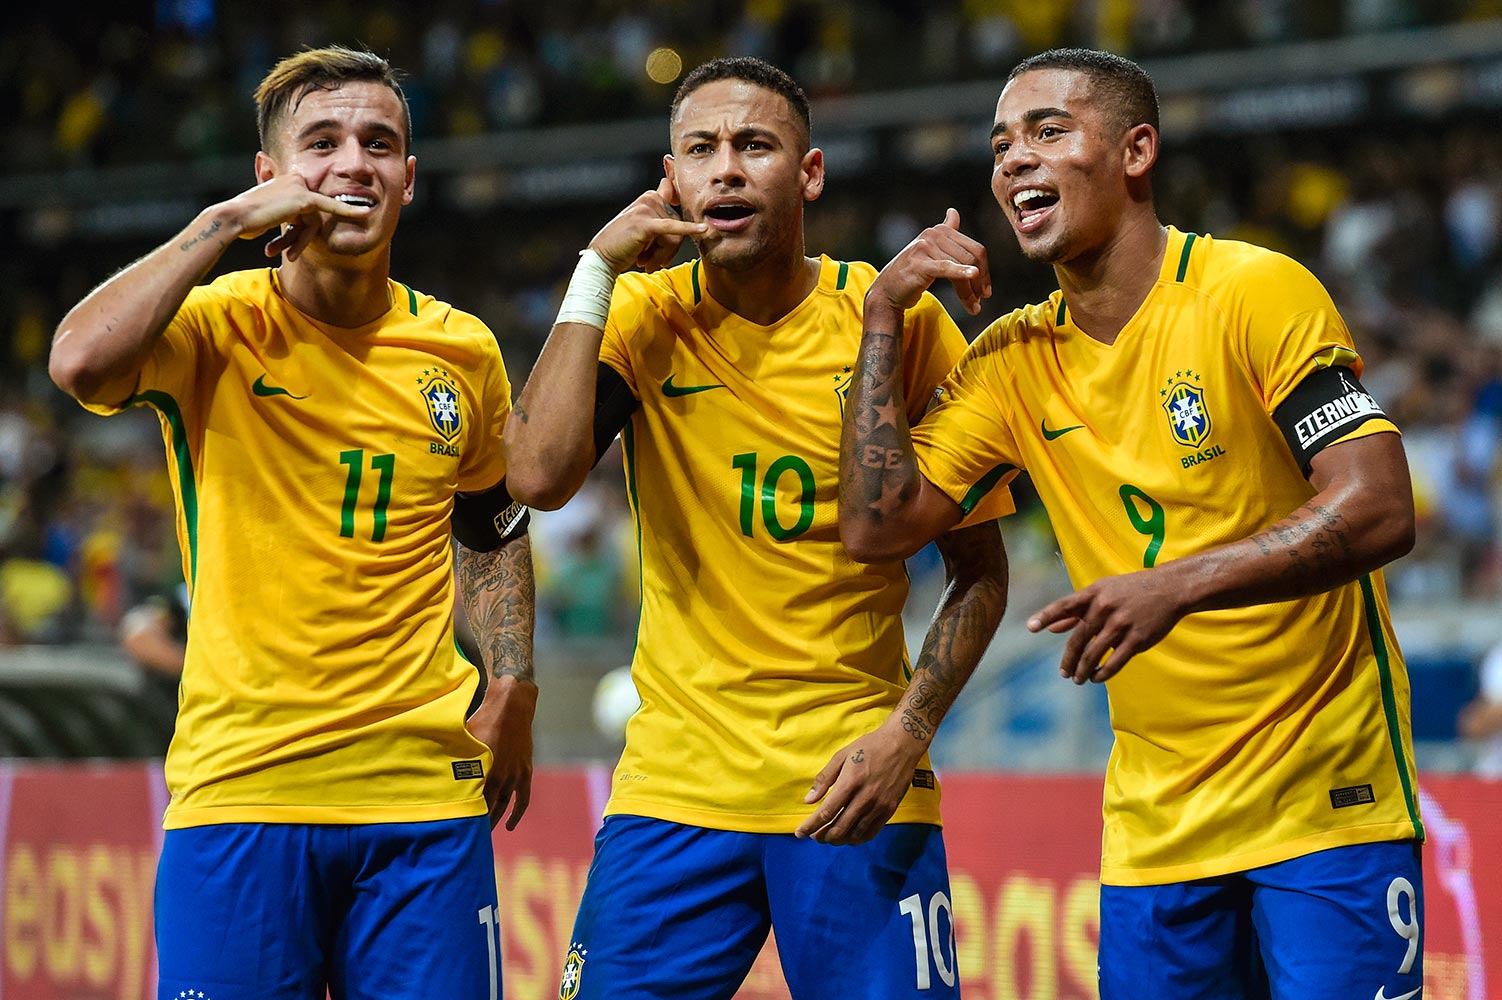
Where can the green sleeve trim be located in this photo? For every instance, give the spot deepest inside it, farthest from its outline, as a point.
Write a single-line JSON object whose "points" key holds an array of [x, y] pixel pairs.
{"points": [[693, 275], [1389, 701], [839, 281], [187, 485], [411, 299], [1184, 257], [986, 485]]}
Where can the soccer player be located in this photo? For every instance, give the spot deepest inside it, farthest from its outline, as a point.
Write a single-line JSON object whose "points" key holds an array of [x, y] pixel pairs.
{"points": [[768, 661], [327, 428], [1224, 492]]}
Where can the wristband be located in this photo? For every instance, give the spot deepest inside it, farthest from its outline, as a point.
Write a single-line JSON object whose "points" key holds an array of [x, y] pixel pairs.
{"points": [[587, 300]]}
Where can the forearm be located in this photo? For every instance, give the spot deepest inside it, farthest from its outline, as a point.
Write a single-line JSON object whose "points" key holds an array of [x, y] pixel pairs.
{"points": [[549, 437], [500, 600], [1329, 541], [879, 474], [103, 341], [970, 609]]}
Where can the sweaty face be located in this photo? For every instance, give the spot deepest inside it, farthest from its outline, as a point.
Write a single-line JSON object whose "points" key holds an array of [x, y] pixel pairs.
{"points": [[1058, 172], [348, 144], [739, 164]]}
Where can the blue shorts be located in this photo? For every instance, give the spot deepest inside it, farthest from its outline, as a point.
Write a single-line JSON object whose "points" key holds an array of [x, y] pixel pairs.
{"points": [[247, 911], [673, 912], [1341, 923]]}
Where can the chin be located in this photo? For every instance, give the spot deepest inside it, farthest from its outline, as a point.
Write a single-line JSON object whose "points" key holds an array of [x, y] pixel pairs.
{"points": [[733, 255]]}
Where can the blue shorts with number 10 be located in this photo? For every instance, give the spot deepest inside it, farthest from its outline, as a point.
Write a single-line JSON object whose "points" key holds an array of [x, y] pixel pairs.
{"points": [[674, 912]]}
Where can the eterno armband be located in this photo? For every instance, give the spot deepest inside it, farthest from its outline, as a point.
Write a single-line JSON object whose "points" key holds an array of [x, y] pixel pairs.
{"points": [[587, 300], [1322, 409], [483, 522]]}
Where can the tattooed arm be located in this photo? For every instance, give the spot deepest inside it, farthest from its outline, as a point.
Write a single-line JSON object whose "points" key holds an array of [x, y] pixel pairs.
{"points": [[888, 510], [500, 601], [1360, 518], [102, 342], [864, 783]]}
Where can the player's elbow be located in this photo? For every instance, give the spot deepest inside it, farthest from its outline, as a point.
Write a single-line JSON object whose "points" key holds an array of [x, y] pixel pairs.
{"points": [[1397, 533], [542, 485], [870, 542], [74, 370]]}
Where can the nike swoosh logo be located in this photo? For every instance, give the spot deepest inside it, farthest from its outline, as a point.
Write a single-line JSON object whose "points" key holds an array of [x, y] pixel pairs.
{"points": [[669, 389], [260, 388], [1049, 435], [1382, 994]]}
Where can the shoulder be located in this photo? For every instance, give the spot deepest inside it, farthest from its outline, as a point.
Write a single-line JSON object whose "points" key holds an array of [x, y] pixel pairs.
{"points": [[454, 321], [1021, 328], [1238, 274], [253, 287], [683, 284]]}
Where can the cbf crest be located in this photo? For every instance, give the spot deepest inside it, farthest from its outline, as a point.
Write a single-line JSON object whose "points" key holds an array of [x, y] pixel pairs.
{"points": [[442, 397], [573, 972], [1184, 404], [842, 388]]}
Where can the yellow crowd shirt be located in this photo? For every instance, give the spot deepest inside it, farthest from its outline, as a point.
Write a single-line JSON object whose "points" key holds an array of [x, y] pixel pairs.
{"points": [[1247, 736], [314, 469], [763, 647]]}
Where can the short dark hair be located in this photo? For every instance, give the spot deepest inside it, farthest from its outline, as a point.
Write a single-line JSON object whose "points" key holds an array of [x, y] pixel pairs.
{"points": [[752, 70], [322, 69], [1130, 97]]}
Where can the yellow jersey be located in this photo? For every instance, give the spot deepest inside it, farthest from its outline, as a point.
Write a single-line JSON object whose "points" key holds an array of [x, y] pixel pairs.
{"points": [[1247, 736], [763, 647], [314, 469]]}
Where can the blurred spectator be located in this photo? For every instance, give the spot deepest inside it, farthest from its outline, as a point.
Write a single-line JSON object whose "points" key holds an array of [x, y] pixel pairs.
{"points": [[1481, 720]]}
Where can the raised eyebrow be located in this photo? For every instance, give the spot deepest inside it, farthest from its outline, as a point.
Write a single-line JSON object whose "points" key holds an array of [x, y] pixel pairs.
{"points": [[739, 135], [1032, 118]]}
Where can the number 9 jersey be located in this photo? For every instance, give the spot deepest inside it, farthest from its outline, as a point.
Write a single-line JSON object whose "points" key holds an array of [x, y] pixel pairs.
{"points": [[1247, 736], [314, 469], [763, 647]]}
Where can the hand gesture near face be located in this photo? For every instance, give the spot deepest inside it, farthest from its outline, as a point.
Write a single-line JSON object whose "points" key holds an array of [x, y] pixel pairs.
{"points": [[286, 200], [647, 232], [940, 251]]}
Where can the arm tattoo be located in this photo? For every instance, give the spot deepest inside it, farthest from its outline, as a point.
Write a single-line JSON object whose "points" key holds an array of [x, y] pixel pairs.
{"points": [[975, 597], [521, 414], [880, 471], [1317, 543], [204, 236], [501, 601]]}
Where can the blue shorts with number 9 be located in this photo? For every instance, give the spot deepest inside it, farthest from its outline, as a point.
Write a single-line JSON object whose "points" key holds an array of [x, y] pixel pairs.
{"points": [[1340, 923], [674, 912]]}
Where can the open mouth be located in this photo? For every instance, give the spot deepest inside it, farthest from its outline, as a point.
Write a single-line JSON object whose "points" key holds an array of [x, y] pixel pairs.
{"points": [[358, 200], [728, 218], [1033, 207]]}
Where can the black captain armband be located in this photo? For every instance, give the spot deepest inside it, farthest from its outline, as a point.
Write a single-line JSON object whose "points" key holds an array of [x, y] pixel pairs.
{"points": [[1322, 409], [614, 404], [483, 522]]}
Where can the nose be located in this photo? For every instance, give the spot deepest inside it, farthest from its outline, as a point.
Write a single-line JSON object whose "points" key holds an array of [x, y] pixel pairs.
{"points": [[1019, 158], [353, 159], [728, 169]]}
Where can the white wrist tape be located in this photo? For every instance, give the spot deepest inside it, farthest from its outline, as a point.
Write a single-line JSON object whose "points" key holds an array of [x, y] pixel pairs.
{"points": [[587, 300]]}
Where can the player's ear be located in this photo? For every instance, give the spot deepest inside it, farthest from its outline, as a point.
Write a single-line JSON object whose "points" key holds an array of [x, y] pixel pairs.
{"points": [[1140, 150], [409, 187], [265, 167], [668, 172], [812, 171]]}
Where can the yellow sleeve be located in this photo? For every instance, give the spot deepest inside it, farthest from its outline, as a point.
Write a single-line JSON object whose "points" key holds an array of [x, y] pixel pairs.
{"points": [[1288, 324], [629, 303], [172, 367], [485, 464], [965, 445]]}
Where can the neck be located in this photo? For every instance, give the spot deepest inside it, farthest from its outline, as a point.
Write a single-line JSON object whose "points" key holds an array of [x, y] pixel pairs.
{"points": [[767, 292], [348, 296], [1107, 286]]}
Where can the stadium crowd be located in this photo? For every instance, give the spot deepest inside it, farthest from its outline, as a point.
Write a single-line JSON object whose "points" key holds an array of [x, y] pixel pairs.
{"points": [[1410, 244]]}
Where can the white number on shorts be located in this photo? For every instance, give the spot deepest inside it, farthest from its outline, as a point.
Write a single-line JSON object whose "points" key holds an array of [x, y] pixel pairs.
{"points": [[928, 938], [1408, 929], [492, 921]]}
